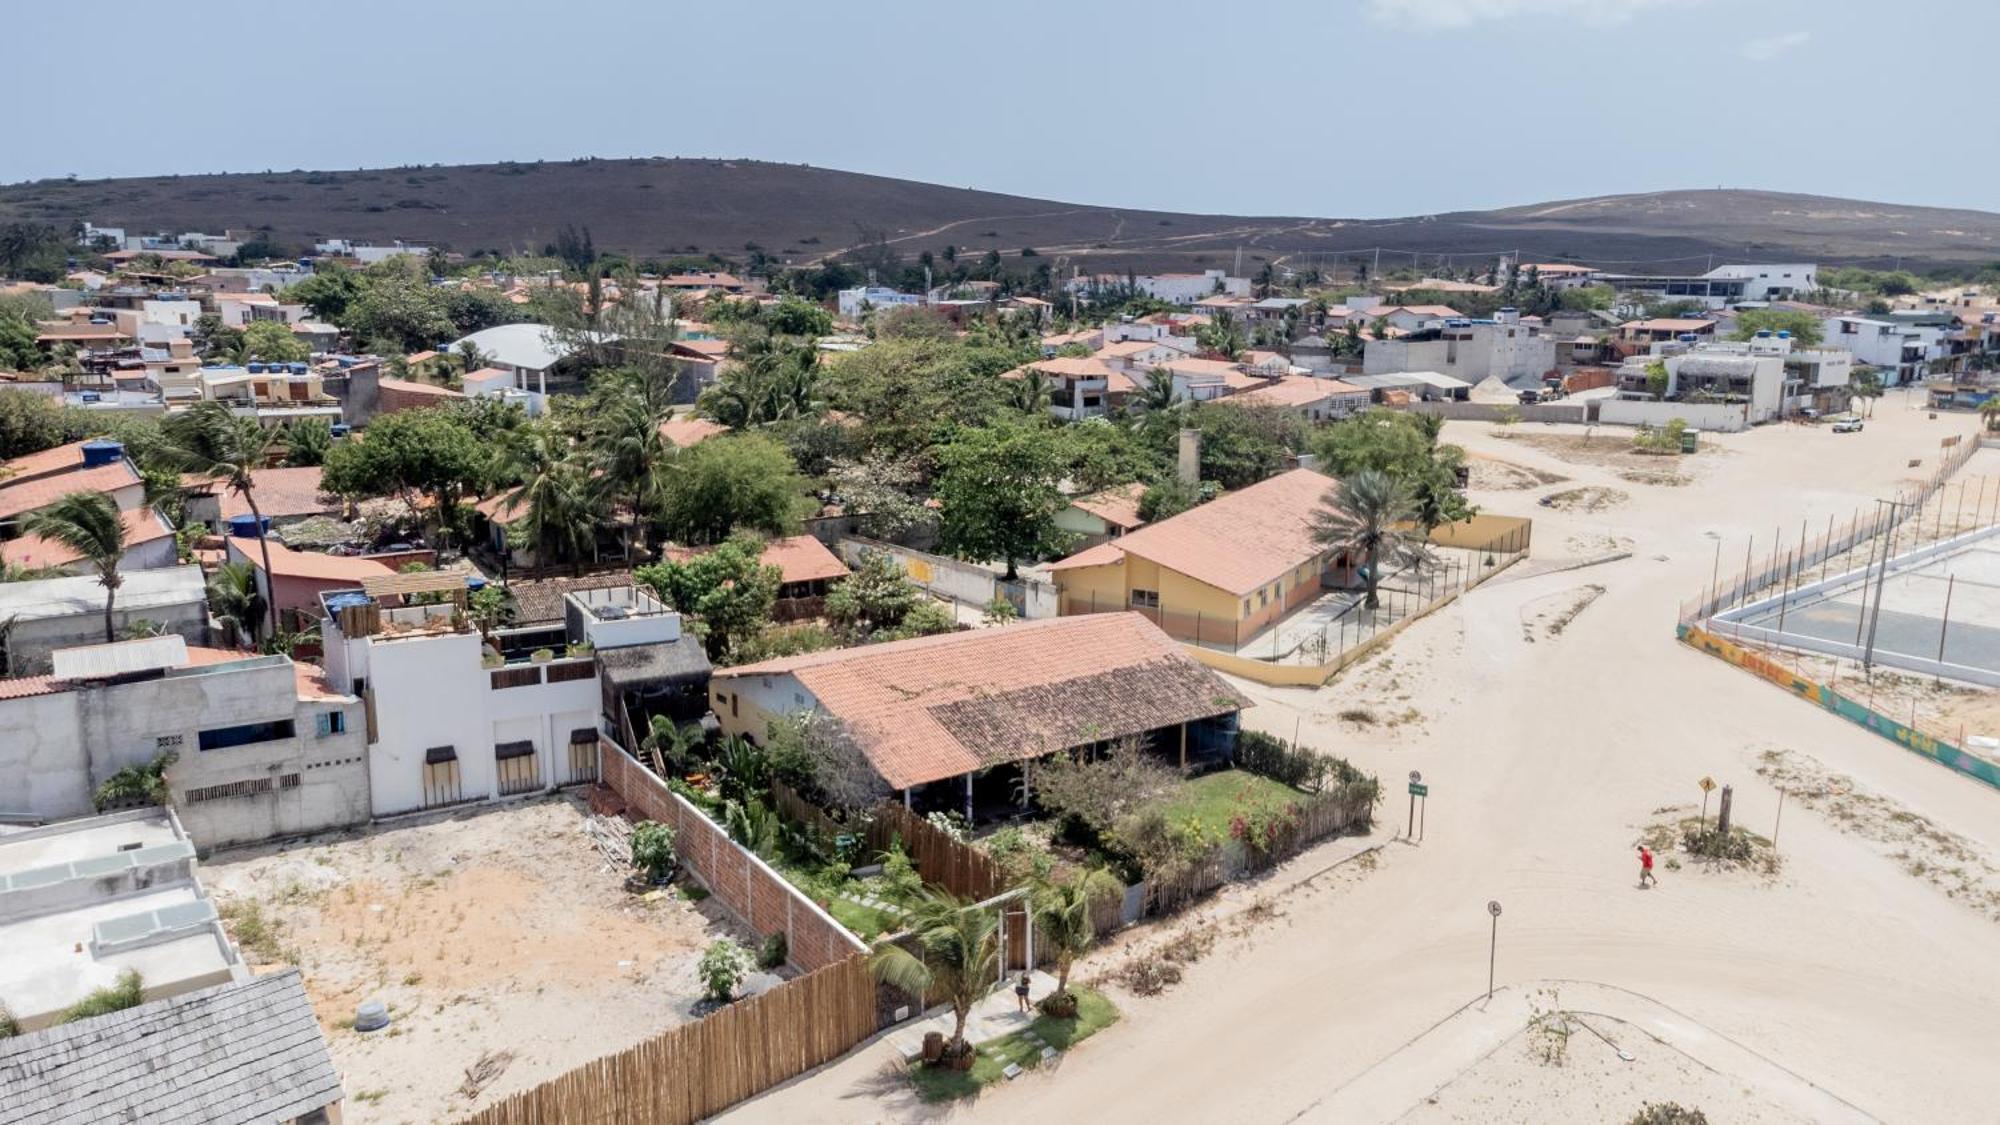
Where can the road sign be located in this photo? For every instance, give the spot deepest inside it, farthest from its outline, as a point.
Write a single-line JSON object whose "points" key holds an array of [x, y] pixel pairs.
{"points": [[1706, 783], [1419, 789]]}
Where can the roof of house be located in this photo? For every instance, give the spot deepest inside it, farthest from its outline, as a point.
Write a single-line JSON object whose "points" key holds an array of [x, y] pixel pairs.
{"points": [[1292, 390], [537, 600], [1237, 542], [1124, 348], [60, 459], [425, 390], [1671, 324], [1117, 506], [287, 563], [142, 526], [280, 493], [800, 558], [530, 346], [1073, 367], [57, 333], [77, 595], [39, 492], [1547, 268], [936, 707], [1203, 369], [1418, 310], [245, 1051], [687, 430]]}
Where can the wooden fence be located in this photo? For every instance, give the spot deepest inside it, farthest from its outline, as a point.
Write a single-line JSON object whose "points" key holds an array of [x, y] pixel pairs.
{"points": [[1318, 817], [702, 1068], [943, 861]]}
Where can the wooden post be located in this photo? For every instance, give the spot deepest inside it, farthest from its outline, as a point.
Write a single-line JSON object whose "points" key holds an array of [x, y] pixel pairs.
{"points": [[1184, 746], [1722, 811], [968, 798]]}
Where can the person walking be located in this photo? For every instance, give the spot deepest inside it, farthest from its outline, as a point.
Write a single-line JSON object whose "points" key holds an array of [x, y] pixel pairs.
{"points": [[1646, 878], [1021, 992]]}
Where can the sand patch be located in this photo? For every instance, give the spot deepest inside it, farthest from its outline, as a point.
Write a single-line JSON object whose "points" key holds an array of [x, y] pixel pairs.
{"points": [[1546, 617], [1486, 474], [1590, 498]]}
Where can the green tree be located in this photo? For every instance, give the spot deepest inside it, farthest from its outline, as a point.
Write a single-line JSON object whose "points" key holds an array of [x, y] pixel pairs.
{"points": [[35, 252], [559, 504], [792, 316], [1062, 912], [306, 442], [1658, 378], [89, 524], [957, 957], [1404, 446], [209, 440], [878, 601], [1000, 493], [1804, 327], [327, 292], [236, 602], [1158, 393], [1167, 499], [728, 589], [430, 451], [30, 423], [721, 969], [653, 849], [1222, 335], [1373, 514], [730, 482], [632, 456], [271, 342], [397, 308]]}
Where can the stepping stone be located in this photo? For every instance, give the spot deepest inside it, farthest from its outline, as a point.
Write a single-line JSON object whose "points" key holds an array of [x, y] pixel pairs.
{"points": [[1012, 1071], [1049, 1053]]}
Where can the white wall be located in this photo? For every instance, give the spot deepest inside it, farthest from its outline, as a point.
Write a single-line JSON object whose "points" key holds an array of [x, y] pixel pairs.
{"points": [[42, 758], [1722, 417]]}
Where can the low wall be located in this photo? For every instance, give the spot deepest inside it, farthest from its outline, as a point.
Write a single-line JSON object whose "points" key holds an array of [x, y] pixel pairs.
{"points": [[1577, 412], [961, 582], [1712, 416], [736, 878], [1812, 691]]}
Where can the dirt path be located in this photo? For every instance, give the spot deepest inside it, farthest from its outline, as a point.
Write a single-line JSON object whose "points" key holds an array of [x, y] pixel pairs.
{"points": [[1544, 760]]}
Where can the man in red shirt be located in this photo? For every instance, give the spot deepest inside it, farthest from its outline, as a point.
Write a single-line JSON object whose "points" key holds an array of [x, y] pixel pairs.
{"points": [[1646, 878]]}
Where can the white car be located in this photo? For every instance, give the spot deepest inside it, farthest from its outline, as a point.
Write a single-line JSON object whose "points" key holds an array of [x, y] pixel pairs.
{"points": [[1847, 426]]}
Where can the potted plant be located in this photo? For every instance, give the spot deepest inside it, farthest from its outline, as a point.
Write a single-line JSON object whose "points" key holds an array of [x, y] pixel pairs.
{"points": [[542, 655]]}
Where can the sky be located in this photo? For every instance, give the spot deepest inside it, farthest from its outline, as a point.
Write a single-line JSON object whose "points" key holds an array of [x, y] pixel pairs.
{"points": [[1340, 108]]}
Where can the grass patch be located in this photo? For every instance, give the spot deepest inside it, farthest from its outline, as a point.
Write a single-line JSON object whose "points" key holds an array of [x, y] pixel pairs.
{"points": [[866, 922], [1212, 799], [941, 1084], [254, 932]]}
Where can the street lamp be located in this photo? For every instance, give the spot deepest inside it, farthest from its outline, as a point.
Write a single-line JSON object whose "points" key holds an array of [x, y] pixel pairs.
{"points": [[1493, 945]]}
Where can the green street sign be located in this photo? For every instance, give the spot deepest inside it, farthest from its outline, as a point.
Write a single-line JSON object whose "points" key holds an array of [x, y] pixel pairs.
{"points": [[1419, 789]]}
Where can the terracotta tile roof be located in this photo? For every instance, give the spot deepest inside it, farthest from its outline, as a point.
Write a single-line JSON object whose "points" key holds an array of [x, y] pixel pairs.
{"points": [[1203, 370], [287, 563], [21, 687], [936, 707], [58, 333], [40, 492], [201, 656], [540, 600], [1670, 324], [280, 493], [689, 430], [1419, 310], [500, 509], [1125, 348], [705, 349], [142, 525], [1072, 367], [425, 390], [1237, 542], [799, 558], [1117, 506], [60, 459], [1291, 390]]}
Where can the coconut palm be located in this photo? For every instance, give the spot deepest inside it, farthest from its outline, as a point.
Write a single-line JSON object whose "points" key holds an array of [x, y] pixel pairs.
{"points": [[89, 524], [1030, 393], [1373, 514], [235, 600], [671, 743], [208, 439], [306, 442], [562, 506], [632, 456], [1158, 393], [1990, 411], [1062, 913], [957, 958]]}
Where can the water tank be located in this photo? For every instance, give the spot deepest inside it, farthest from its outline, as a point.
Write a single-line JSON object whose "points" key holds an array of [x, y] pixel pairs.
{"points": [[1763, 333], [299, 369], [340, 429], [101, 452], [91, 396], [248, 527], [1784, 333], [474, 582], [256, 368], [1686, 337]]}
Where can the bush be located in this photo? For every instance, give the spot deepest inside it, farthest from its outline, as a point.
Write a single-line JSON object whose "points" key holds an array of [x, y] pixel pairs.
{"points": [[1710, 843], [774, 952], [129, 992], [135, 785], [721, 969], [1668, 1113], [1261, 753], [653, 850]]}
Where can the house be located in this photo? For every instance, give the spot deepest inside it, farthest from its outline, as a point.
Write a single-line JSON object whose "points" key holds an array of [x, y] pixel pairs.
{"points": [[1103, 515], [40, 479], [246, 1051], [1173, 288], [273, 393], [393, 395], [704, 279], [455, 717], [80, 903], [1136, 357], [297, 578], [1200, 380], [532, 352], [263, 746], [1905, 349], [285, 495], [1089, 339], [1316, 400], [951, 721], [1664, 328], [149, 544], [1441, 285], [52, 613], [852, 303], [1424, 386], [806, 571], [1722, 286], [1728, 385], [1218, 573], [1562, 275], [1503, 348], [1078, 388], [1409, 318]]}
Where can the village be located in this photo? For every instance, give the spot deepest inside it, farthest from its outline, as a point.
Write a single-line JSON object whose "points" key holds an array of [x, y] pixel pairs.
{"points": [[904, 668]]}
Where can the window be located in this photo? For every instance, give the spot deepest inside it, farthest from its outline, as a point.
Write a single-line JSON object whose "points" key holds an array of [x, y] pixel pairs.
{"points": [[1145, 599], [440, 776], [222, 738], [330, 723], [168, 741], [515, 768]]}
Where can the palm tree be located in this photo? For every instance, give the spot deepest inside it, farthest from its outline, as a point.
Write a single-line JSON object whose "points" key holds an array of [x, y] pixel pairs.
{"points": [[556, 491], [306, 442], [670, 743], [960, 957], [209, 440], [1374, 514], [1158, 393], [1031, 392], [1990, 411], [235, 600], [89, 524], [1062, 913], [632, 457]]}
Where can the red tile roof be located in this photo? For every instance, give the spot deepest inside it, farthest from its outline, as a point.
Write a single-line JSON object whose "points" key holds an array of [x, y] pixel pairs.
{"points": [[21, 687], [280, 493], [689, 430], [60, 459], [800, 558], [287, 563], [39, 492], [1291, 390], [142, 525], [1237, 542], [936, 707], [1117, 506]]}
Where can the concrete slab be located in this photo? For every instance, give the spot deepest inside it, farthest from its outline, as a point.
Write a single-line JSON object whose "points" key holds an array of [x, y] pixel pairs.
{"points": [[995, 1016]]}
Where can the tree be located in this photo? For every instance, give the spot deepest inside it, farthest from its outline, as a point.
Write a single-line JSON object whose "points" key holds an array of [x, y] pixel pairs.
{"points": [[878, 601], [731, 482], [490, 607], [271, 342], [327, 292], [1989, 411], [815, 753], [89, 524], [430, 451], [1404, 446], [36, 252], [632, 457], [1158, 393], [1867, 384], [1030, 393], [728, 588], [236, 602], [306, 442], [1166, 499], [792, 316], [395, 307], [1658, 378], [957, 957], [1062, 913], [558, 504], [653, 849], [1000, 492], [882, 491], [1374, 514], [1222, 336], [209, 440], [30, 423], [1804, 327]]}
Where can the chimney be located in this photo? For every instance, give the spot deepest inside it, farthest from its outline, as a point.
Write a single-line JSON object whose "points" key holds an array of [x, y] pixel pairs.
{"points": [[1188, 467]]}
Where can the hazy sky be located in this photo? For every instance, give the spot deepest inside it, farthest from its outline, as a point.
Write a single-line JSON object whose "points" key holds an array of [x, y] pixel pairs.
{"points": [[1359, 108]]}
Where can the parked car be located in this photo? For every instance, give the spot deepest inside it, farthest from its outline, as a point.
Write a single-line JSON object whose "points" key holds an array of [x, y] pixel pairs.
{"points": [[1847, 426]]}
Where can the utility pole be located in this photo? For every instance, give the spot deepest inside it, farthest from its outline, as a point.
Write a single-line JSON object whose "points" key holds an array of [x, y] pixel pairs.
{"points": [[1492, 945], [1881, 579]]}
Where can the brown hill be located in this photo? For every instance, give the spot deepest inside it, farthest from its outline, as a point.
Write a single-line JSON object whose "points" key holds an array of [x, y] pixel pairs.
{"points": [[665, 206]]}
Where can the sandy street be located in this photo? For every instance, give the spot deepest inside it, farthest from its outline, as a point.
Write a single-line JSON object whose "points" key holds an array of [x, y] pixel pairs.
{"points": [[1547, 751]]}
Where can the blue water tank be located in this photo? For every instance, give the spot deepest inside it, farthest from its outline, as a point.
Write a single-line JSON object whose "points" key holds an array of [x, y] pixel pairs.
{"points": [[1784, 333], [1763, 333], [102, 451], [299, 369], [340, 429], [256, 368], [247, 527], [474, 582]]}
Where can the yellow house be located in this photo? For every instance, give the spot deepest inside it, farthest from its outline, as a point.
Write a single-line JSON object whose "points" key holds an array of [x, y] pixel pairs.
{"points": [[1219, 573]]}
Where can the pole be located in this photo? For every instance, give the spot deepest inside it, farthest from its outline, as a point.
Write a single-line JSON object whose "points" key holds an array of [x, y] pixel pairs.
{"points": [[1780, 820], [1492, 953], [1423, 811], [1744, 586], [1881, 579], [1943, 626], [1714, 577], [1411, 831]]}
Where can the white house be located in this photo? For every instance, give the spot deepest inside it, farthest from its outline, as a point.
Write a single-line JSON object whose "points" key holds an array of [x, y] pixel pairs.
{"points": [[529, 352], [1474, 350], [854, 302], [1173, 288], [1724, 285], [1902, 351]]}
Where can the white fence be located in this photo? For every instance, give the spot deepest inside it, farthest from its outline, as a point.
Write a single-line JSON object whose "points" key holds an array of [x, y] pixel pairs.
{"points": [[966, 583]]}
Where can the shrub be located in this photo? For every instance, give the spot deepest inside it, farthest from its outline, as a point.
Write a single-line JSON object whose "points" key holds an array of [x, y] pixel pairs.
{"points": [[721, 969], [9, 1026], [1149, 978], [653, 850], [1272, 757], [774, 952], [135, 785], [129, 992], [1668, 1113]]}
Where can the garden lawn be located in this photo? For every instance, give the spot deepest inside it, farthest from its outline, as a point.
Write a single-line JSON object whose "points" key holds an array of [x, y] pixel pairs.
{"points": [[1212, 799], [938, 1084]]}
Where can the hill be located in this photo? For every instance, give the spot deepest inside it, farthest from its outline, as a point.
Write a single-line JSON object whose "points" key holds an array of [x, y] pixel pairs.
{"points": [[662, 206]]}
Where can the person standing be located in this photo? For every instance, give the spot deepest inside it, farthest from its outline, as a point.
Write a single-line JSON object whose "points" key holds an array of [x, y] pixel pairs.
{"points": [[1646, 878], [1021, 992]]}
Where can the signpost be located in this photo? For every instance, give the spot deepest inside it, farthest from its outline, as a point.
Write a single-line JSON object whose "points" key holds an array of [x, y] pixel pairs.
{"points": [[1417, 789], [1707, 786], [1493, 945]]}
